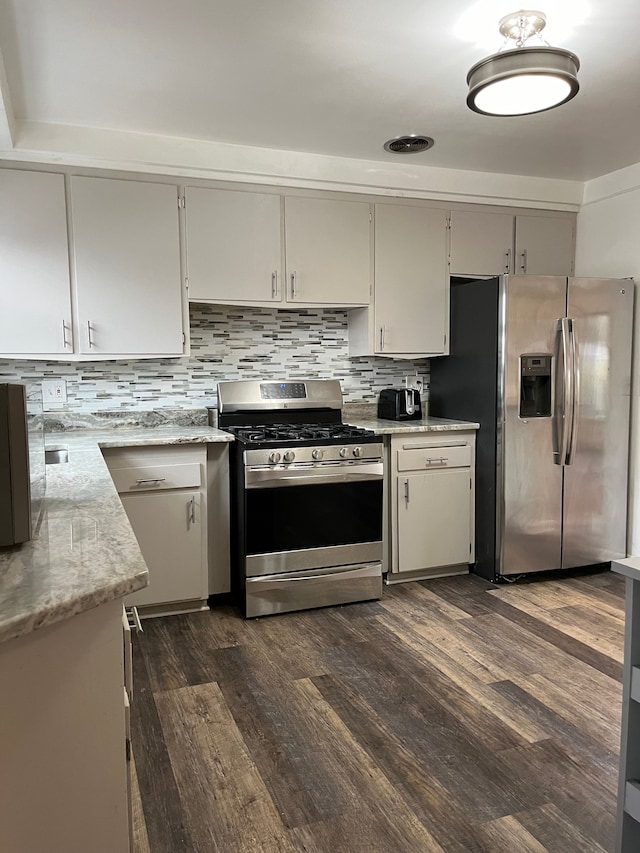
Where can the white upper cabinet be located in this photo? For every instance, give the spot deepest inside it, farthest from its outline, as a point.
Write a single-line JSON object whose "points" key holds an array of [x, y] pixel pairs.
{"points": [[234, 246], [328, 251], [545, 245], [126, 254], [126, 250], [410, 316], [34, 265], [481, 243]]}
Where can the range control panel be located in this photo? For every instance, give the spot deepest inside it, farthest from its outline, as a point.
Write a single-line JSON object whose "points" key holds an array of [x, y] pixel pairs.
{"points": [[283, 390]]}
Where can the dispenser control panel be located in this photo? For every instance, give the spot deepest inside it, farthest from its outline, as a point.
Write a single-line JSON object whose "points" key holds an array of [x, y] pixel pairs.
{"points": [[535, 385]]}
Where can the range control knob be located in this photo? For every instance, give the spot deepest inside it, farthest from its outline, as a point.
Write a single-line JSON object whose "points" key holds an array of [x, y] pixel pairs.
{"points": [[317, 454], [274, 457], [357, 451], [289, 456], [344, 452]]}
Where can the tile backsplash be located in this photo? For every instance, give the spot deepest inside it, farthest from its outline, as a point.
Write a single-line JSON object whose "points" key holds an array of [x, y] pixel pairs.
{"points": [[226, 343]]}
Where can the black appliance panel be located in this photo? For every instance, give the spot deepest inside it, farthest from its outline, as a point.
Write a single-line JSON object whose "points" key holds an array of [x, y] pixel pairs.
{"points": [[312, 516], [464, 386]]}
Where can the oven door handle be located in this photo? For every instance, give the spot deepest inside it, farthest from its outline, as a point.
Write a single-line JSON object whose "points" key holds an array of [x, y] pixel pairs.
{"points": [[372, 570], [271, 479]]}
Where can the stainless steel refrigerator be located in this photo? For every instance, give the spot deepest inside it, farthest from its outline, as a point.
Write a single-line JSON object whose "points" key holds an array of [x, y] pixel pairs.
{"points": [[543, 363]]}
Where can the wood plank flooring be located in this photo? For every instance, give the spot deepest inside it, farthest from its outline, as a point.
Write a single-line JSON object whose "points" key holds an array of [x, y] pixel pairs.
{"points": [[452, 715]]}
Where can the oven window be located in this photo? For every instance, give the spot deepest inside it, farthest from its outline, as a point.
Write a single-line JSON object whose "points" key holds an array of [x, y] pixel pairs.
{"points": [[313, 516]]}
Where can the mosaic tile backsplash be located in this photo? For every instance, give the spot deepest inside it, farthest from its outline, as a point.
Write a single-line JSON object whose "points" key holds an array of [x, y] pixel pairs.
{"points": [[226, 343]]}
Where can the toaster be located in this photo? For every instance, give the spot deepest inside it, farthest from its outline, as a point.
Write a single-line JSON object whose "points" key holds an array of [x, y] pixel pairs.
{"points": [[399, 404]]}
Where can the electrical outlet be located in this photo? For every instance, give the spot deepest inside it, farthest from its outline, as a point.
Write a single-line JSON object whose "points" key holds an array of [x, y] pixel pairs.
{"points": [[54, 391]]}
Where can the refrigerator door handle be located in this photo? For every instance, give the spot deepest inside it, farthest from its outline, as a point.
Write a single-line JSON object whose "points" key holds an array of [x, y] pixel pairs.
{"points": [[563, 416], [575, 385]]}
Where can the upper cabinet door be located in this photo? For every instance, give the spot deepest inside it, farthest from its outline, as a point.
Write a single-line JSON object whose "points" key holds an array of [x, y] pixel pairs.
{"points": [[127, 267], [234, 246], [545, 245], [34, 265], [328, 251], [411, 280], [481, 243]]}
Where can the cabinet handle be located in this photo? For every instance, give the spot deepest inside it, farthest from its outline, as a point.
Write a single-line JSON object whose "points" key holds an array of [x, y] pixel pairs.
{"points": [[274, 284], [382, 337], [406, 492], [507, 263], [294, 284], [89, 334], [192, 511], [523, 265], [64, 335], [151, 480], [432, 446], [441, 460], [133, 619]]}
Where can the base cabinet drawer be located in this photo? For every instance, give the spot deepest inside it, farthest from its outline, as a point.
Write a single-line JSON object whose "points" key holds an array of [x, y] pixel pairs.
{"points": [[419, 457], [145, 478]]}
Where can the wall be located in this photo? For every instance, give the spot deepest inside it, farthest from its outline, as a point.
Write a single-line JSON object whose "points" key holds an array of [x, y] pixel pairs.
{"points": [[226, 343], [607, 245]]}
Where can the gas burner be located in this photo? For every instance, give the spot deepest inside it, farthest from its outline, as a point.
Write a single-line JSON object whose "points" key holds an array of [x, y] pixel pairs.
{"points": [[297, 433]]}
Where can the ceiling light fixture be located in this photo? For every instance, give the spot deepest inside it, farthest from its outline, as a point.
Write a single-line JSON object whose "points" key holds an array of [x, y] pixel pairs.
{"points": [[523, 80]]}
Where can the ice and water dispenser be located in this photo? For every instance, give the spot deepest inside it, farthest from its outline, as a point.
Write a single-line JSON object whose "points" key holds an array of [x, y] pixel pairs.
{"points": [[535, 386]]}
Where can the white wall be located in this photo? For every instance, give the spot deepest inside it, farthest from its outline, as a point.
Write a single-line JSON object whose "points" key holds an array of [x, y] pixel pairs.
{"points": [[608, 245]]}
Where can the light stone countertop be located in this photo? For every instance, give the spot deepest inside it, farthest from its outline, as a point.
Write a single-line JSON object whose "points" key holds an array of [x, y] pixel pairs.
{"points": [[427, 424], [84, 553]]}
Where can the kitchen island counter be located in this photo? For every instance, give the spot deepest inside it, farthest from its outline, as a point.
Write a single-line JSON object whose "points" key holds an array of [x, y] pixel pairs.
{"points": [[84, 552]]}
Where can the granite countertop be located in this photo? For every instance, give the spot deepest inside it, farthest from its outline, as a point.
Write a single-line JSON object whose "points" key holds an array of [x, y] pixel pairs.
{"points": [[426, 424], [84, 553]]}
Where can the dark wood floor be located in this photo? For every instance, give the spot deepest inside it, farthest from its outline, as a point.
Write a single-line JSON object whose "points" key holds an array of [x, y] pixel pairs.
{"points": [[452, 715]]}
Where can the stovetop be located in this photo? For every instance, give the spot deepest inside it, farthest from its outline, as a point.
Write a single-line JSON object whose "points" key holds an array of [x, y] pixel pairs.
{"points": [[293, 434]]}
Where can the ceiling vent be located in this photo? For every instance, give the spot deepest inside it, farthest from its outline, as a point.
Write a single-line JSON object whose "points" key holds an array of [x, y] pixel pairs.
{"points": [[411, 144]]}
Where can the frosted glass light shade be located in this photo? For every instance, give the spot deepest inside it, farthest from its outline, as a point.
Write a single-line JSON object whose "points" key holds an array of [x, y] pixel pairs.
{"points": [[523, 81]]}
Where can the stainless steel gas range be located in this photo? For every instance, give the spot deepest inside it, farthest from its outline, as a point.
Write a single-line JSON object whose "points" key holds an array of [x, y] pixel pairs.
{"points": [[306, 497]]}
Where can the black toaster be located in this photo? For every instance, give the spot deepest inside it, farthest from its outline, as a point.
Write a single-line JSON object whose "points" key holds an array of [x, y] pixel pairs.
{"points": [[399, 404]]}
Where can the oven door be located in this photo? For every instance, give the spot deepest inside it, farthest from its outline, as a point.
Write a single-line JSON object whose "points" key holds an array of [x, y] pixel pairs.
{"points": [[312, 516]]}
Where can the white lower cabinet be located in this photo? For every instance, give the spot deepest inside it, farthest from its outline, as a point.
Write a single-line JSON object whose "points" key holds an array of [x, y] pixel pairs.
{"points": [[163, 490], [63, 773], [431, 504]]}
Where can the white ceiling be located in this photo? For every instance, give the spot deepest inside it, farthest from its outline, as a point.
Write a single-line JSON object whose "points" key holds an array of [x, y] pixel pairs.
{"points": [[334, 77]]}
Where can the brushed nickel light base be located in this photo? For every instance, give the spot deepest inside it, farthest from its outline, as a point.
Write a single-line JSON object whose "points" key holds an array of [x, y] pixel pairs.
{"points": [[524, 80]]}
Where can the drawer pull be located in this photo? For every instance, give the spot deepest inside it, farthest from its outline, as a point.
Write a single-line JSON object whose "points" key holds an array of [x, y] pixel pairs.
{"points": [[441, 460], [143, 482], [133, 619], [432, 446]]}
